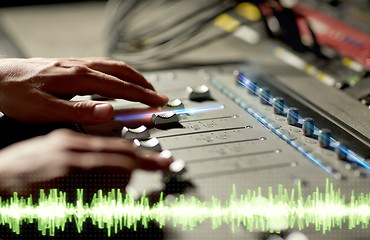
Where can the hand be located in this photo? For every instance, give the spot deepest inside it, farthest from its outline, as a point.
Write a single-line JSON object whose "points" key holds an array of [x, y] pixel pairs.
{"points": [[68, 160], [39, 89]]}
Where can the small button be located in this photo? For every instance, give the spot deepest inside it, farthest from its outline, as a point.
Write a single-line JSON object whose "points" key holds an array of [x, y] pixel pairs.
{"points": [[135, 133], [176, 104], [324, 138], [308, 127], [167, 118], [278, 105], [341, 152], [264, 94], [199, 94], [292, 117], [151, 144], [252, 87]]}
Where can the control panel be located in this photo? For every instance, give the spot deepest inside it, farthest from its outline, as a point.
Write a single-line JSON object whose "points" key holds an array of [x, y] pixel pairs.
{"points": [[228, 126]]}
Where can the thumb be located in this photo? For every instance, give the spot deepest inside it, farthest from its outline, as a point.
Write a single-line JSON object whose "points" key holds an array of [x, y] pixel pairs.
{"points": [[84, 112]]}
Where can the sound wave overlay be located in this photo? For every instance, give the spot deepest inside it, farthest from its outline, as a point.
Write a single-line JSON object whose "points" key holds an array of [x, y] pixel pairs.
{"points": [[115, 211]]}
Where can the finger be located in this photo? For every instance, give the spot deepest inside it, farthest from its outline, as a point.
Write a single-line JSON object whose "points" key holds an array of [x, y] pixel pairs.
{"points": [[93, 160], [118, 69], [82, 112], [148, 160], [82, 80]]}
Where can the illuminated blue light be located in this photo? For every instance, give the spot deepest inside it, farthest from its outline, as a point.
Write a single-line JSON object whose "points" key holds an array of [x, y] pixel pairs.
{"points": [[245, 82], [177, 111]]}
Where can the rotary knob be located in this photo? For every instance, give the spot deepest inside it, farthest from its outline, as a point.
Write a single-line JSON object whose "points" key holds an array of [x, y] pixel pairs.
{"points": [[199, 94], [151, 144], [264, 94], [308, 127], [324, 138], [176, 104], [165, 119], [252, 87], [135, 133], [278, 105], [292, 117]]}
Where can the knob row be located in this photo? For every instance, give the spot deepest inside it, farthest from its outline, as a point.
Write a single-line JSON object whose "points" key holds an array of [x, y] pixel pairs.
{"points": [[292, 113]]}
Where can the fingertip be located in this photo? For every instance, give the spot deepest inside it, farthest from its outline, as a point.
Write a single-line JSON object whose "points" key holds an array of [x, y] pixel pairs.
{"points": [[102, 111], [162, 99]]}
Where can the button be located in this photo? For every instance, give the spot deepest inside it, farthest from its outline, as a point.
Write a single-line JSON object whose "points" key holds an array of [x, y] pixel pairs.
{"points": [[341, 152], [292, 117], [308, 127], [151, 144], [135, 133], [264, 94], [252, 87], [278, 105], [176, 104], [199, 94], [163, 119], [324, 138]]}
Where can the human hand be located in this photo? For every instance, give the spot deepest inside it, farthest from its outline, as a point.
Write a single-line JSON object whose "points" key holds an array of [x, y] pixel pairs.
{"points": [[68, 160], [39, 89]]}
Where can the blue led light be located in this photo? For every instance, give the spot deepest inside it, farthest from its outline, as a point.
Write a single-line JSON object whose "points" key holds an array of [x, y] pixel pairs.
{"points": [[245, 82], [177, 111]]}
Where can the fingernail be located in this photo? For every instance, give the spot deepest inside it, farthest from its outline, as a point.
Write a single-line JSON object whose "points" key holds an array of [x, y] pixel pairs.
{"points": [[102, 111]]}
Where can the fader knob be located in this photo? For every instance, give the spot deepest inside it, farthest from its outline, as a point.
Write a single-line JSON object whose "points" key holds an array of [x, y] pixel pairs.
{"points": [[292, 116], [135, 133], [308, 127], [278, 105], [163, 119], [324, 138], [264, 94], [151, 144], [176, 104], [200, 93], [175, 172]]}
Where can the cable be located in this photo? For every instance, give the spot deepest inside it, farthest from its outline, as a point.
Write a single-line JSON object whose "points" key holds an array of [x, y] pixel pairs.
{"points": [[142, 31]]}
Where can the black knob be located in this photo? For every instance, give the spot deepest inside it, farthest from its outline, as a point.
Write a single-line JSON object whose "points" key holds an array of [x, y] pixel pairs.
{"points": [[135, 133], [292, 117], [252, 87], [308, 127], [199, 94], [341, 152], [324, 138], [166, 118], [278, 105], [151, 144], [264, 94]]}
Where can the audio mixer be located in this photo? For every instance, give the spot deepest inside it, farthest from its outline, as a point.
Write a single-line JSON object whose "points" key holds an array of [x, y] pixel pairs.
{"points": [[259, 122], [234, 125]]}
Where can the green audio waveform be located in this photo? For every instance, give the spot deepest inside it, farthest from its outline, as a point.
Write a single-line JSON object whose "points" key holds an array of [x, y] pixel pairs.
{"points": [[114, 211]]}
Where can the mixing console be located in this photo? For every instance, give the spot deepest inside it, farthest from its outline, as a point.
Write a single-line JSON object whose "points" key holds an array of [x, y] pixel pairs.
{"points": [[228, 125]]}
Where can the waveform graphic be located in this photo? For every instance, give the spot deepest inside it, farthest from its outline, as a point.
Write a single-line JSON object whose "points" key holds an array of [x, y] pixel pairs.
{"points": [[114, 211]]}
